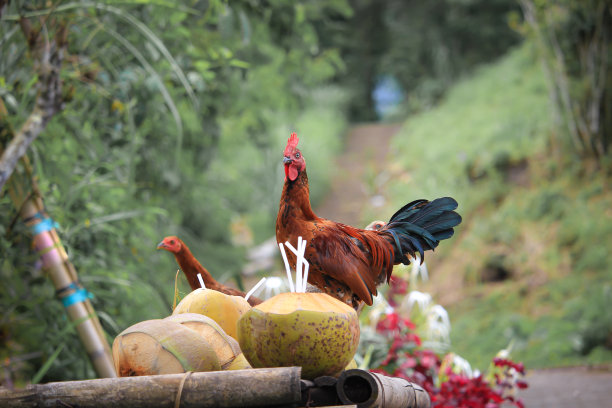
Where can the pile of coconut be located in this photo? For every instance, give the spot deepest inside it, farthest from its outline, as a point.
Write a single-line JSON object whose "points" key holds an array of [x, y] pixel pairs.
{"points": [[211, 331]]}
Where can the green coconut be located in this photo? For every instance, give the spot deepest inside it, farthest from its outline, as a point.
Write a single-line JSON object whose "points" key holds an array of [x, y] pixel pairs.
{"points": [[162, 347], [312, 330]]}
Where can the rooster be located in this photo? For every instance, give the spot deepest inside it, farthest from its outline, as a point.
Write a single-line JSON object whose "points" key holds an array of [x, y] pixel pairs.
{"points": [[191, 268], [346, 262]]}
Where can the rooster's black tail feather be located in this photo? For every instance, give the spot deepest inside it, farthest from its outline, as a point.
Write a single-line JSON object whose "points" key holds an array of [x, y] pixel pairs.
{"points": [[421, 225]]}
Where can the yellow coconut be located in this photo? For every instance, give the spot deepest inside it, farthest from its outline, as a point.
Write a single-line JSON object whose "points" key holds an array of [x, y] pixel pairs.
{"points": [[162, 347], [312, 330], [223, 309], [227, 348]]}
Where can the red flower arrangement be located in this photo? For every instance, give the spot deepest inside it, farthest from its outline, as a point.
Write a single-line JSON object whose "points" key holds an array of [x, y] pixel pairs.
{"points": [[407, 359]]}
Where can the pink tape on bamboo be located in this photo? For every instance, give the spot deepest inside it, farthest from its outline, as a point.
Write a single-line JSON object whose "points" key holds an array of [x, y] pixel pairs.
{"points": [[45, 245]]}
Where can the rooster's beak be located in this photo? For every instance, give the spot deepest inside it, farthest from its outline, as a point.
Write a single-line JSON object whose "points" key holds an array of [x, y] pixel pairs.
{"points": [[287, 160], [161, 245]]}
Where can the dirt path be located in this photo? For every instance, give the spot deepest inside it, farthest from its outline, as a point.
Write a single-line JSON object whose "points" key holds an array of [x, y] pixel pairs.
{"points": [[350, 193], [366, 149], [569, 387]]}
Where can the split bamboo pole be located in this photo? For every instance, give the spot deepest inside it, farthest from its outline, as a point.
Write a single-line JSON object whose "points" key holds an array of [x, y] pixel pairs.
{"points": [[263, 387]]}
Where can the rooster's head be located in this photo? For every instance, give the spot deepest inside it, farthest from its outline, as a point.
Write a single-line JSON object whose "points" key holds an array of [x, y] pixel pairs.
{"points": [[293, 159], [171, 244]]}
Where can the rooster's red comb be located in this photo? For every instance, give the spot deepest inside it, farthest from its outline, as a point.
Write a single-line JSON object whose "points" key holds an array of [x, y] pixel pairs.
{"points": [[291, 144]]}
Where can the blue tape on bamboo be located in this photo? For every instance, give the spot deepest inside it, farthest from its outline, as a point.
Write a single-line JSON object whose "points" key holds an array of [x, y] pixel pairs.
{"points": [[45, 224], [71, 286], [80, 295]]}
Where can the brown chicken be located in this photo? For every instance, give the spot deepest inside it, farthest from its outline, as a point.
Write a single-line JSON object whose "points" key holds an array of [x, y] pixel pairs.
{"points": [[346, 262], [191, 267]]}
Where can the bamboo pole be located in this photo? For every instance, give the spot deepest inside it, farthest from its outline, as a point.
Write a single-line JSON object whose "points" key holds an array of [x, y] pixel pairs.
{"points": [[26, 197], [368, 389], [71, 293], [264, 387]]}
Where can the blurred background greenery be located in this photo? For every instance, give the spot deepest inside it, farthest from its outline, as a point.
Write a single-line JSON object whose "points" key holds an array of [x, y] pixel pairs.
{"points": [[176, 114]]}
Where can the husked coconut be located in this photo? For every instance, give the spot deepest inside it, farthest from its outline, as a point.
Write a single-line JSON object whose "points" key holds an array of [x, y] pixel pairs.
{"points": [[162, 347], [227, 348]]}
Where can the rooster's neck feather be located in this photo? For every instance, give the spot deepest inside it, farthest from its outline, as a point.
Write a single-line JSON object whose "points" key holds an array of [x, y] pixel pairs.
{"points": [[191, 267], [295, 199]]}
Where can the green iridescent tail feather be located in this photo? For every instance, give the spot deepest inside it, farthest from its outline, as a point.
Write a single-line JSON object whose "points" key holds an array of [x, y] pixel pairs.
{"points": [[421, 225]]}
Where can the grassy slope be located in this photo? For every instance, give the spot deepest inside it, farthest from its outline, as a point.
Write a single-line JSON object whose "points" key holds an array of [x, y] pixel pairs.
{"points": [[488, 145]]}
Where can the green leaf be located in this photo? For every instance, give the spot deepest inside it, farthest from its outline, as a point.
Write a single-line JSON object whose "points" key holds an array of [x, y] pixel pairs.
{"points": [[239, 63], [45, 367], [177, 17], [202, 66]]}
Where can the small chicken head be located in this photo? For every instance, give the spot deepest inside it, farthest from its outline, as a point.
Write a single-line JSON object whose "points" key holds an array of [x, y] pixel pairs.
{"points": [[293, 159], [170, 244], [376, 225]]}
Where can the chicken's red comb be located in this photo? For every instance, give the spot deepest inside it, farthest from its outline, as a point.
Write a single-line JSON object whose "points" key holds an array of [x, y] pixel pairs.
{"points": [[292, 143]]}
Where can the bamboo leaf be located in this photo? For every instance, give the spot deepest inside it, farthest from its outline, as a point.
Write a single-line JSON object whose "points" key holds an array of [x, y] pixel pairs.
{"points": [[109, 320], [239, 63], [143, 28], [45, 367], [123, 215], [164, 91], [162, 3]]}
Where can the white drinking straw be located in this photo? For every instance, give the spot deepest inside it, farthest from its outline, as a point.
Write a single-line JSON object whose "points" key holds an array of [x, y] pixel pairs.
{"points": [[304, 260], [287, 268], [201, 281], [291, 248], [298, 266], [305, 276], [302, 250], [250, 292]]}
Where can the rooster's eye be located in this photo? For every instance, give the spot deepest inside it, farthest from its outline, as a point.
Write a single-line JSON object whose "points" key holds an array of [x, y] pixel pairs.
{"points": [[172, 242], [297, 155]]}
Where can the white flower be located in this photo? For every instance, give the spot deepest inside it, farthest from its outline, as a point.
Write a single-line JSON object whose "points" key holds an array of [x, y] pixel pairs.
{"points": [[438, 325], [273, 286], [461, 365], [423, 300]]}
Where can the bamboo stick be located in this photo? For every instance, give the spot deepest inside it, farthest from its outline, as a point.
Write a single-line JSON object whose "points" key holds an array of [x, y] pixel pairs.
{"points": [[264, 387], [23, 190], [368, 389], [29, 202], [64, 277]]}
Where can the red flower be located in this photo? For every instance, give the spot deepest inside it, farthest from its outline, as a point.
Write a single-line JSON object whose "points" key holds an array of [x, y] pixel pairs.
{"points": [[407, 359]]}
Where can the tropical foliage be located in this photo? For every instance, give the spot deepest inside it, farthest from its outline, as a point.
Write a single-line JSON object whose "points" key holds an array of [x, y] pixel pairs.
{"points": [[173, 114], [172, 118]]}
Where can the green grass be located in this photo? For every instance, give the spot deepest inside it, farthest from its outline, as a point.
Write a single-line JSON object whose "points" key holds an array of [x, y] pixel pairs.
{"points": [[540, 219]]}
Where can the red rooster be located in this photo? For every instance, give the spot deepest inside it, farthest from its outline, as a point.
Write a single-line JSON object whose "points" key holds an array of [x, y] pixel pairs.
{"points": [[346, 262], [191, 267]]}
